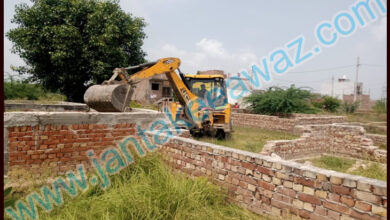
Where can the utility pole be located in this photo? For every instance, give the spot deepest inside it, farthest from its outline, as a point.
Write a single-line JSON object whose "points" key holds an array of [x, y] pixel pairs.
{"points": [[332, 84], [356, 80]]}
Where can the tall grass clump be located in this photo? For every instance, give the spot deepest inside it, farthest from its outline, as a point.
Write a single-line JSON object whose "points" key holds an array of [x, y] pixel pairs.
{"points": [[148, 189]]}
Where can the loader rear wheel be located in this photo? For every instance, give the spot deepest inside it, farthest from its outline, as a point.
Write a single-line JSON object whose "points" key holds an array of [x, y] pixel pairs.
{"points": [[220, 134]]}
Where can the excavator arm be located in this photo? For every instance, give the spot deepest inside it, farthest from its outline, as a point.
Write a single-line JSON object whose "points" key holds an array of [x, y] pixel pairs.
{"points": [[115, 95]]}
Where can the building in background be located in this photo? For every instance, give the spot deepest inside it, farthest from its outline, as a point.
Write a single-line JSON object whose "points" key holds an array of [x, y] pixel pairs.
{"points": [[344, 89], [340, 87], [152, 89], [233, 94]]}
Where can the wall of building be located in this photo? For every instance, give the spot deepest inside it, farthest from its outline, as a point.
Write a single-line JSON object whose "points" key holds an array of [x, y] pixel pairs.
{"points": [[328, 138], [282, 124], [267, 185], [365, 102], [146, 95]]}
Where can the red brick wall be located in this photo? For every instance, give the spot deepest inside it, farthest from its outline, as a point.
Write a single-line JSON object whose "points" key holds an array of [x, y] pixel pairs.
{"points": [[266, 185], [60, 148], [329, 138]]}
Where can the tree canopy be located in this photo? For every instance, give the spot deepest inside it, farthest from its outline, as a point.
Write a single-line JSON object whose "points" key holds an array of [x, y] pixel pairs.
{"points": [[281, 102], [69, 44]]}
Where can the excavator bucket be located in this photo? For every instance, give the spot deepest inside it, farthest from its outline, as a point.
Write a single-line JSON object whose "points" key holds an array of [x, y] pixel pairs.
{"points": [[109, 98]]}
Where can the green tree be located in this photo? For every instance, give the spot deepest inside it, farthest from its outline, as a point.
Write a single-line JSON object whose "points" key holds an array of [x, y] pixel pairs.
{"points": [[70, 44], [277, 101]]}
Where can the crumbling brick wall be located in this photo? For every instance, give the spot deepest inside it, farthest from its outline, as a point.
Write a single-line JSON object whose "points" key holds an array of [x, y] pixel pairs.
{"points": [[378, 139], [267, 185], [329, 138], [282, 124]]}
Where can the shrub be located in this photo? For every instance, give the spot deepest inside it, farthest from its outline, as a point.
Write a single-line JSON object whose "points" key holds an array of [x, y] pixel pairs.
{"points": [[330, 104], [276, 101]]}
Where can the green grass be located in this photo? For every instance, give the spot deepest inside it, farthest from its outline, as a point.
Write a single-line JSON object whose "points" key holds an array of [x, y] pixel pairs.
{"points": [[134, 104], [334, 163], [250, 139], [374, 171], [148, 189]]}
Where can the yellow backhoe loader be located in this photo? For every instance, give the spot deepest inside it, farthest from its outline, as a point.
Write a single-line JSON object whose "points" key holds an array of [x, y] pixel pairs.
{"points": [[202, 98]]}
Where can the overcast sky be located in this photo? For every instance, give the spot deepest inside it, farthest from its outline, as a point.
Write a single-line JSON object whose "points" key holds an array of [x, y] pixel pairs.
{"points": [[231, 35]]}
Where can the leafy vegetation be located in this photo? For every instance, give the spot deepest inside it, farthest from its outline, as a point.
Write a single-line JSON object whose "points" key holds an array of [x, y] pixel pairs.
{"points": [[249, 139], [282, 102], [148, 189], [330, 104], [69, 44], [18, 89], [9, 200]]}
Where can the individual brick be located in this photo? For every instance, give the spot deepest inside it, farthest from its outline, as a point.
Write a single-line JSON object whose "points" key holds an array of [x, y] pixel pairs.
{"points": [[335, 207], [366, 196], [308, 190], [297, 204], [348, 201], [321, 194], [251, 187], [308, 207], [298, 187], [288, 184], [364, 187], [320, 210], [309, 198], [336, 180], [276, 181], [333, 215], [349, 183], [379, 210]]}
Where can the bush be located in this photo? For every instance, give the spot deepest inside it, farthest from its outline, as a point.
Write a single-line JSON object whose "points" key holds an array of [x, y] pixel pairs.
{"points": [[380, 106], [349, 107], [276, 101], [330, 104]]}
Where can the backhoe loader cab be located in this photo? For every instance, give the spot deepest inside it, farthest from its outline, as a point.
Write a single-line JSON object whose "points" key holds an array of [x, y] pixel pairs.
{"points": [[210, 88]]}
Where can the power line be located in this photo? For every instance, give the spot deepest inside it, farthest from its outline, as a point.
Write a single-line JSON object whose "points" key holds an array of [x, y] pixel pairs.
{"points": [[326, 69], [322, 80], [374, 65]]}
